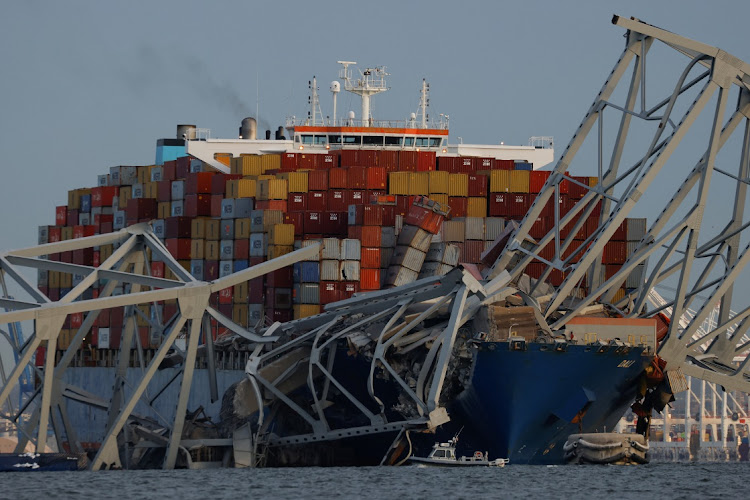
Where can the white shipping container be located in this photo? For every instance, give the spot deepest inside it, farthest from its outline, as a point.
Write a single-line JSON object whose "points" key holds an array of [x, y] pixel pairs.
{"points": [[329, 270], [177, 209], [453, 230], [399, 276], [399, 223], [307, 243], [178, 190], [435, 253], [351, 249], [258, 244], [159, 228], [493, 226], [103, 338], [474, 228], [225, 268], [331, 249], [408, 257], [137, 191], [43, 235], [349, 270], [415, 237], [452, 255], [255, 313], [84, 219]]}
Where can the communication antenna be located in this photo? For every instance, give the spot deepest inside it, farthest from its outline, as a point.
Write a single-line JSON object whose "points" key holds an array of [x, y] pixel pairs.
{"points": [[335, 89], [314, 101], [370, 82], [424, 102]]}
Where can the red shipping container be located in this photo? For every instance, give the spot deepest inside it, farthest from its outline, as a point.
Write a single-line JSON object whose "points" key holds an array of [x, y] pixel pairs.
{"points": [[197, 205], [458, 206], [447, 164], [226, 295], [354, 232], [376, 178], [369, 279], [472, 251], [241, 249], [338, 178], [103, 196], [219, 182], [328, 161], [317, 200], [317, 180], [216, 200], [289, 161], [355, 197], [55, 234], [498, 205], [370, 258], [40, 356], [576, 191], [518, 204], [425, 161], [484, 163], [182, 168], [388, 160], [102, 218], [565, 185], [334, 223], [83, 231], [348, 158], [356, 178], [505, 165], [615, 252], [280, 315], [97, 262], [407, 161], [402, 205], [537, 179], [116, 317], [297, 219], [347, 289], [66, 257], [102, 320], [465, 165], [141, 208], [157, 269], [620, 234], [76, 320], [83, 257], [255, 290], [199, 182], [72, 218], [164, 191], [281, 278], [556, 277], [379, 215], [477, 185], [169, 170], [313, 222], [297, 202], [371, 236], [535, 270], [372, 195], [177, 227], [178, 247], [329, 292], [337, 200], [307, 161]]}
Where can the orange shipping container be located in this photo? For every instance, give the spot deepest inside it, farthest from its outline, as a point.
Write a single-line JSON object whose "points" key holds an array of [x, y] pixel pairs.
{"points": [[377, 178]]}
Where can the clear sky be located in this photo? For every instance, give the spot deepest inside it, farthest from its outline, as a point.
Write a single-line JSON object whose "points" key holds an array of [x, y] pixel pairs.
{"points": [[87, 85]]}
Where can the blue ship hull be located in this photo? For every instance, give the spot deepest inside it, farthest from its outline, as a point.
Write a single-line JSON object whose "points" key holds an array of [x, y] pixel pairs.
{"points": [[523, 405]]}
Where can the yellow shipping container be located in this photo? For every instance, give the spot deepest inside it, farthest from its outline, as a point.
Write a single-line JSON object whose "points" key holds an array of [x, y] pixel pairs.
{"points": [[519, 181], [240, 293], [239, 314], [213, 229], [150, 190], [230, 191], [619, 295], [270, 162], [282, 234], [438, 182], [458, 185], [440, 198], [66, 280], [63, 339], [275, 251], [197, 249], [476, 207], [297, 182], [249, 165], [54, 279], [164, 209], [271, 218], [398, 183], [419, 183], [246, 188], [124, 196], [262, 189], [593, 181], [266, 177], [305, 310], [211, 250], [500, 181], [105, 252], [198, 229], [278, 189], [241, 229], [143, 173], [66, 233]]}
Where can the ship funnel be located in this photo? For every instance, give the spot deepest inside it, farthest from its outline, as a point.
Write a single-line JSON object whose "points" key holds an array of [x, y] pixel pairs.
{"points": [[268, 135], [186, 132], [280, 134], [249, 129]]}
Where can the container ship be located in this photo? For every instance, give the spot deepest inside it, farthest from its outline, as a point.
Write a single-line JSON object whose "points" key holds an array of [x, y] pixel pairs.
{"points": [[394, 208]]}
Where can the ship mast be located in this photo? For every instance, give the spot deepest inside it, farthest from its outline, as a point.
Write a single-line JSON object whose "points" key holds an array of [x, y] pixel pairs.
{"points": [[424, 102], [314, 101], [372, 82]]}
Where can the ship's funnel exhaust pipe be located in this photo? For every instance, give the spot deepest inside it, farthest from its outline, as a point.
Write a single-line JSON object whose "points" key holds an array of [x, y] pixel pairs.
{"points": [[268, 135], [186, 132], [249, 129], [280, 134]]}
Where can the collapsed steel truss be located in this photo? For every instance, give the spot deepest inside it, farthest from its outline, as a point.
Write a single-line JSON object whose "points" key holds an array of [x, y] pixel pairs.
{"points": [[678, 242], [127, 265]]}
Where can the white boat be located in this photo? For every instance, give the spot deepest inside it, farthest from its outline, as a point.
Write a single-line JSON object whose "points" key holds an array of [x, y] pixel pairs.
{"points": [[444, 455]]}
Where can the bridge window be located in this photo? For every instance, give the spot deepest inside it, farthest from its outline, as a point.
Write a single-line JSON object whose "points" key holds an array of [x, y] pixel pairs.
{"points": [[408, 141], [307, 139], [352, 139], [320, 139], [334, 139], [423, 142], [393, 141], [372, 140], [435, 142]]}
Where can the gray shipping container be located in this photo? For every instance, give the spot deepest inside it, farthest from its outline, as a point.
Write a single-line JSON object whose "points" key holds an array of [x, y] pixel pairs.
{"points": [[386, 254], [196, 166], [43, 235], [349, 270], [42, 278], [636, 277], [474, 228], [415, 237], [308, 293], [399, 223], [493, 226], [351, 249], [84, 219], [331, 249], [227, 209], [387, 237], [453, 230], [114, 176], [408, 257], [329, 270], [256, 221], [177, 209], [196, 269], [128, 176], [137, 191], [243, 207], [226, 227], [118, 221], [452, 255], [157, 174], [102, 180], [636, 229], [178, 190], [226, 249], [255, 313], [258, 245], [159, 227], [226, 267]]}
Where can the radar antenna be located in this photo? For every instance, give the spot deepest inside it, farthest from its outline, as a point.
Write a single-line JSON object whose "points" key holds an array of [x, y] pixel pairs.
{"points": [[370, 82]]}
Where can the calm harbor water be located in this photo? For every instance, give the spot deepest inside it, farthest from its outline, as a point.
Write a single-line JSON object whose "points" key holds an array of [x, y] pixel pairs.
{"points": [[658, 480]]}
